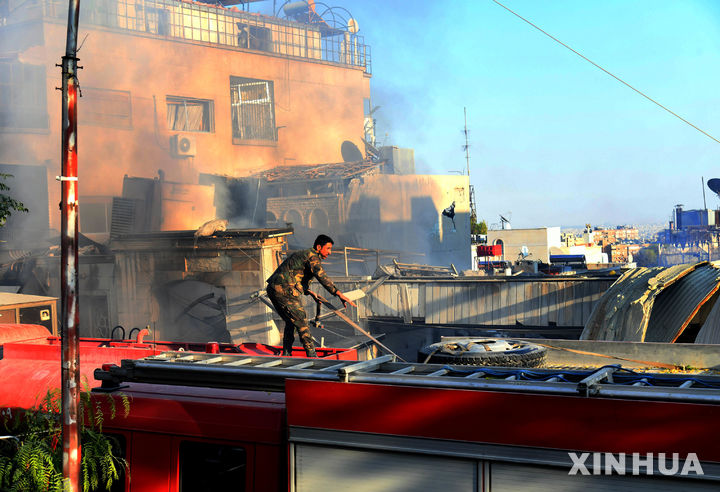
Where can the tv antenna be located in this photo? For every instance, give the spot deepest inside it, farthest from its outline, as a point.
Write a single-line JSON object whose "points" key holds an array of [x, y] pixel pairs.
{"points": [[466, 148], [504, 222]]}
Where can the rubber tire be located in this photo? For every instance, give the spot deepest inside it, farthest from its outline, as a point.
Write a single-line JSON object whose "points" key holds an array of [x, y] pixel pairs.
{"points": [[526, 355]]}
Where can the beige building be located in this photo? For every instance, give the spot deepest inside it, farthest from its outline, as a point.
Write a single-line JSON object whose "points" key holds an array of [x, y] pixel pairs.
{"points": [[538, 242], [405, 213]]}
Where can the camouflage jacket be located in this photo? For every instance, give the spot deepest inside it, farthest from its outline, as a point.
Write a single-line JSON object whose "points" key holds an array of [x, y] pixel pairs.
{"points": [[298, 270]]}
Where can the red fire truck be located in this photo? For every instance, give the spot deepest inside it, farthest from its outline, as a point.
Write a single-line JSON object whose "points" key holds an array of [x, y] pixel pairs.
{"points": [[237, 422], [216, 417], [30, 357]]}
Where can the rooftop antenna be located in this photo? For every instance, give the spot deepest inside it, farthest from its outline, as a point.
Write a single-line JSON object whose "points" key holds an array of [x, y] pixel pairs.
{"points": [[504, 223], [466, 148], [702, 185]]}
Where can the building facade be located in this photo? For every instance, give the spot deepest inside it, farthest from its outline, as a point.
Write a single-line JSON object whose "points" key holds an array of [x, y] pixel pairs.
{"points": [[538, 242], [175, 90]]}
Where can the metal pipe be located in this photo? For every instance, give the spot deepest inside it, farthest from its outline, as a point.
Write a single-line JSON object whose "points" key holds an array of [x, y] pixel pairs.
{"points": [[69, 257], [346, 261]]}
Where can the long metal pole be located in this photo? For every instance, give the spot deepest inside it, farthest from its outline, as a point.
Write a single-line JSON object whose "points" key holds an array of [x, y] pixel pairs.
{"points": [[69, 257], [467, 145]]}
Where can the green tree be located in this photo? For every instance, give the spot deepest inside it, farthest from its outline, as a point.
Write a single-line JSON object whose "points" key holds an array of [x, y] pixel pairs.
{"points": [[8, 204], [647, 257], [478, 227], [31, 453]]}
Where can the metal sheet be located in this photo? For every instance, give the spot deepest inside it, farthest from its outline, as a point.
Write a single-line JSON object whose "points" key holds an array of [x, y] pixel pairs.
{"points": [[321, 468], [511, 477], [675, 306], [710, 331], [624, 310]]}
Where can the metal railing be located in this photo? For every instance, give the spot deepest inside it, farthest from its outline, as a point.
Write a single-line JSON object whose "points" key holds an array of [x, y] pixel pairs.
{"points": [[215, 25]]}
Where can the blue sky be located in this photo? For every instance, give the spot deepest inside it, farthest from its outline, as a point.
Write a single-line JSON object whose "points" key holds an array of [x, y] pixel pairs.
{"points": [[554, 141]]}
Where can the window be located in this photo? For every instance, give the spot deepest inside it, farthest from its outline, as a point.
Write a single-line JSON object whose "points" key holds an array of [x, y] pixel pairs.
{"points": [[254, 37], [253, 110], [500, 243], [23, 99], [190, 115], [157, 21], [105, 107], [211, 467]]}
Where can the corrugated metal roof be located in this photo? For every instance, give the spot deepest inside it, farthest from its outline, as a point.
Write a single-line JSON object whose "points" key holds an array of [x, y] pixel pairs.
{"points": [[710, 331], [341, 170], [624, 310], [675, 306]]}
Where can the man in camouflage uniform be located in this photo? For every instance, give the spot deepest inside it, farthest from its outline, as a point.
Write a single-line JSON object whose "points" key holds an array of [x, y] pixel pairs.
{"points": [[291, 280]]}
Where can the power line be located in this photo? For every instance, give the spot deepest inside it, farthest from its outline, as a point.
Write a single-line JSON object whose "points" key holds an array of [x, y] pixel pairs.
{"points": [[607, 72]]}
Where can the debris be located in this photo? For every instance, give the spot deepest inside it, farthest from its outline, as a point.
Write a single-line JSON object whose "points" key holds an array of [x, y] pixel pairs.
{"points": [[209, 228], [450, 212]]}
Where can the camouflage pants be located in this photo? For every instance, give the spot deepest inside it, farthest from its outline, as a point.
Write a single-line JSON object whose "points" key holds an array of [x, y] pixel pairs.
{"points": [[291, 310]]}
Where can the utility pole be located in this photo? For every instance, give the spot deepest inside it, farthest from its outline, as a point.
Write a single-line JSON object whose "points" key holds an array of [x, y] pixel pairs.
{"points": [[70, 360]]}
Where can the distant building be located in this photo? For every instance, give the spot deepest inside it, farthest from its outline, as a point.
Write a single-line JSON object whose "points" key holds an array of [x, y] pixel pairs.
{"points": [[538, 242], [622, 253], [620, 234], [692, 235], [692, 219]]}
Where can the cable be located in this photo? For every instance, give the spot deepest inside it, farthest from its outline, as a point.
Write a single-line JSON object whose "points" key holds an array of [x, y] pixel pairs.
{"points": [[607, 72]]}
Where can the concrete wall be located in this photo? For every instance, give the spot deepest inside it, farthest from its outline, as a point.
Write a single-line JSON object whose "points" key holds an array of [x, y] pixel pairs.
{"points": [[404, 213]]}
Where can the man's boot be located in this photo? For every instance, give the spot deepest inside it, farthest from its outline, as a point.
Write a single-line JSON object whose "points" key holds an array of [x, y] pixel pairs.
{"points": [[287, 348]]}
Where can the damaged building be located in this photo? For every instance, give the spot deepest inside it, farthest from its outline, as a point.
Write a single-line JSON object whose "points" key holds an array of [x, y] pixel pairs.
{"points": [[369, 205], [176, 89], [191, 112]]}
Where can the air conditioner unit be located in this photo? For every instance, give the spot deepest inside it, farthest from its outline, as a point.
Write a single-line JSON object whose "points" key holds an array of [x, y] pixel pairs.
{"points": [[182, 145]]}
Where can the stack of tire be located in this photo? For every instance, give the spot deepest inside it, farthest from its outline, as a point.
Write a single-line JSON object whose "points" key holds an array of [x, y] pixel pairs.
{"points": [[484, 352]]}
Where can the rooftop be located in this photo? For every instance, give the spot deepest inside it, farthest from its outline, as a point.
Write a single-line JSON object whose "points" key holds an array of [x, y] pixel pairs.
{"points": [[313, 39], [341, 170]]}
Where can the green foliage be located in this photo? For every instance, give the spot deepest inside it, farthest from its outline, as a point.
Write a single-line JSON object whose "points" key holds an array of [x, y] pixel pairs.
{"points": [[7, 204], [478, 227], [647, 257], [31, 456]]}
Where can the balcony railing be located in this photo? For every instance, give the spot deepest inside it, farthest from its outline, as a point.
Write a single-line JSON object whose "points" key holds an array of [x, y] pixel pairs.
{"points": [[173, 19]]}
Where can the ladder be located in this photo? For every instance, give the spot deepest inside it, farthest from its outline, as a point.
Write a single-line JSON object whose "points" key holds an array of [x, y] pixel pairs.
{"points": [[268, 373]]}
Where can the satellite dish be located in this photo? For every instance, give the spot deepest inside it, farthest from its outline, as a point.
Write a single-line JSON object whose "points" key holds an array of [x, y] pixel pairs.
{"points": [[524, 251], [714, 184], [353, 26], [350, 152]]}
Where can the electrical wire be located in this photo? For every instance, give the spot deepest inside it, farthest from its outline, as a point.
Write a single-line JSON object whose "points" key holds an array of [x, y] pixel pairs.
{"points": [[607, 72]]}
